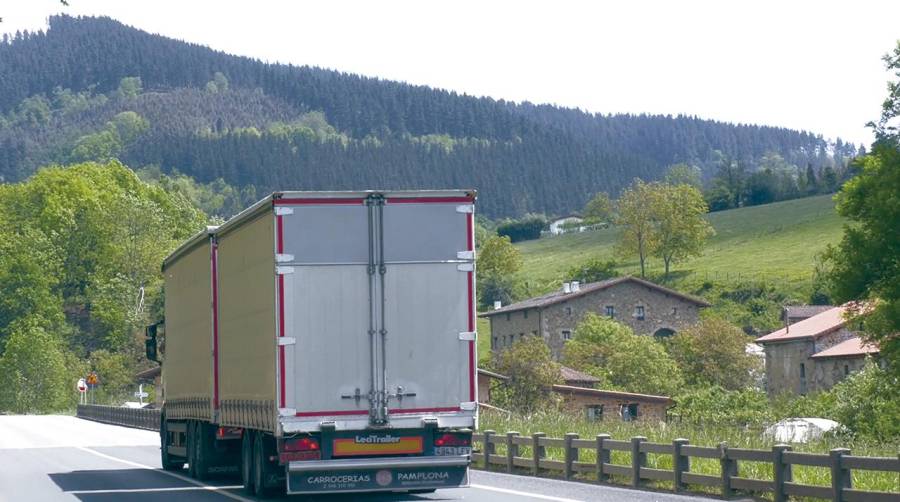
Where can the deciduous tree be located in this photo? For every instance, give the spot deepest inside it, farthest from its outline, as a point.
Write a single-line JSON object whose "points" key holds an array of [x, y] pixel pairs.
{"points": [[680, 228], [865, 262]]}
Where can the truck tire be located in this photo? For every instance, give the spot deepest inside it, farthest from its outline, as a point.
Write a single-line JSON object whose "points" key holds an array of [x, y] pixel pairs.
{"points": [[263, 469], [202, 450], [247, 461], [169, 462]]}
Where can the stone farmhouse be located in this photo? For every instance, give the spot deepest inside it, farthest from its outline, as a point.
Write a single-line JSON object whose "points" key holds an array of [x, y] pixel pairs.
{"points": [[646, 307], [814, 353]]}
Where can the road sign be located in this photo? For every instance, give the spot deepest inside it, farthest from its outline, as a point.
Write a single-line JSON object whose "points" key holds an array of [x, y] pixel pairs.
{"points": [[141, 394], [92, 379], [82, 385]]}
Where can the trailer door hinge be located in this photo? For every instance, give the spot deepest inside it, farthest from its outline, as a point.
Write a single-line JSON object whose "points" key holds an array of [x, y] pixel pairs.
{"points": [[286, 340], [468, 406], [467, 208], [283, 211], [284, 270], [287, 412], [465, 255], [466, 267], [283, 257], [468, 336]]}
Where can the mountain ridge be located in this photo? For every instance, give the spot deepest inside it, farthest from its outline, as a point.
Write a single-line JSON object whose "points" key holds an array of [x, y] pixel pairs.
{"points": [[523, 157]]}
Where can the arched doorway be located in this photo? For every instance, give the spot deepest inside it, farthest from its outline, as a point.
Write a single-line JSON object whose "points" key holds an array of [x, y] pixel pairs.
{"points": [[664, 333]]}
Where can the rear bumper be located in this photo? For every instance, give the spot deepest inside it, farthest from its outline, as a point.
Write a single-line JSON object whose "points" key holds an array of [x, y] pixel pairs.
{"points": [[377, 474]]}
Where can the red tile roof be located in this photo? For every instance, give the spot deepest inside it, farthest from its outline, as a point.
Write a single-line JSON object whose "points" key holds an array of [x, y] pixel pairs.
{"points": [[853, 347], [812, 328], [558, 296]]}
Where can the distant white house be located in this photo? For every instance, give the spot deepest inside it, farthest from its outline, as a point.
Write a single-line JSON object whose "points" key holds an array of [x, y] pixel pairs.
{"points": [[556, 226]]}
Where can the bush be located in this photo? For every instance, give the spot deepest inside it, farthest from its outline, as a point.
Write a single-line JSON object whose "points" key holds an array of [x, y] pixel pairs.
{"points": [[612, 352], [531, 371], [593, 271], [714, 352], [527, 228], [33, 372]]}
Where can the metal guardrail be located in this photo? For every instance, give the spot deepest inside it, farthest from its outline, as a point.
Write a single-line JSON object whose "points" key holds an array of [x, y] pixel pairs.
{"points": [[138, 418], [838, 461]]}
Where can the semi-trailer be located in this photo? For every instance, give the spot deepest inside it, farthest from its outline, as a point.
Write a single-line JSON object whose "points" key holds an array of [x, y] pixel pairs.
{"points": [[324, 342]]}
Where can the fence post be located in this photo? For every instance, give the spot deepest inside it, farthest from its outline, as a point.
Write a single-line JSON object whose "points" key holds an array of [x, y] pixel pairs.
{"points": [[571, 454], [680, 463], [840, 477], [602, 458], [512, 450], [537, 451], [488, 449], [729, 469], [638, 460], [783, 471]]}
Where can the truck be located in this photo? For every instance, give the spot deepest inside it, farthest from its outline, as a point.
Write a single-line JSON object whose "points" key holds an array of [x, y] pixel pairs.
{"points": [[324, 342]]}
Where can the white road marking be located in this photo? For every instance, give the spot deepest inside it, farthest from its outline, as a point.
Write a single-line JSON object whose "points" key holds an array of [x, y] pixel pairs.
{"points": [[218, 489], [523, 494], [143, 490]]}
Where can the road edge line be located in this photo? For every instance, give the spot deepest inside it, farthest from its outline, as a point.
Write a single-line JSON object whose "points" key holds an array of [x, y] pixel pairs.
{"points": [[522, 494]]}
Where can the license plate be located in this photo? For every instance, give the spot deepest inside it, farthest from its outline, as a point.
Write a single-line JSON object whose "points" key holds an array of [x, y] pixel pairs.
{"points": [[452, 450]]}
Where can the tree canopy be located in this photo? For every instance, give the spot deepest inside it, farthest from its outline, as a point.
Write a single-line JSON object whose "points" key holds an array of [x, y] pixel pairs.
{"points": [[865, 263]]}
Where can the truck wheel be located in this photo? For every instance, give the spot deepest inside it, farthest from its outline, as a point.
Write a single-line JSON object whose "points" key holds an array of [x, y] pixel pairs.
{"points": [[169, 462], [202, 449], [262, 468], [247, 461]]}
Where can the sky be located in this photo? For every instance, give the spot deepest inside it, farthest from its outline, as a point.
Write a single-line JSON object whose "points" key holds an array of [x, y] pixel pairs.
{"points": [[809, 65]]}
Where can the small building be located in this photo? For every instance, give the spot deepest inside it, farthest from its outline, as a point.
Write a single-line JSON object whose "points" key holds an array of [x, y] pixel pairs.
{"points": [[595, 404], [646, 307], [575, 378], [813, 354]]}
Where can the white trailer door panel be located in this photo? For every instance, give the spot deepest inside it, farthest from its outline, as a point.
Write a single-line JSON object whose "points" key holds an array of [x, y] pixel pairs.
{"points": [[427, 306], [325, 249]]}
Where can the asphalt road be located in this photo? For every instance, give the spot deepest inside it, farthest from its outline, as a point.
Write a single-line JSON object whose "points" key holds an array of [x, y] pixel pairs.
{"points": [[66, 458]]}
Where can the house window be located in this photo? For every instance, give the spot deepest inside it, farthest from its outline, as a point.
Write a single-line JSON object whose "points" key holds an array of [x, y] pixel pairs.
{"points": [[534, 333], [507, 316], [610, 311], [594, 412], [629, 412], [525, 313], [493, 342], [568, 310], [566, 334], [521, 336], [846, 370], [639, 312], [802, 370]]}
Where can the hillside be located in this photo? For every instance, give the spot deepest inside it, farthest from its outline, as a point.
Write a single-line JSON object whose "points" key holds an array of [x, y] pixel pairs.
{"points": [[270, 126], [777, 242]]}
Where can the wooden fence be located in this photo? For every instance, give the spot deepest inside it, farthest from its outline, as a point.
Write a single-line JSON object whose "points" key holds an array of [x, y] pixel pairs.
{"points": [[838, 461]]}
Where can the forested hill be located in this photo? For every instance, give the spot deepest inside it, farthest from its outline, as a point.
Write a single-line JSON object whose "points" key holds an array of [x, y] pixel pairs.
{"points": [[212, 115]]}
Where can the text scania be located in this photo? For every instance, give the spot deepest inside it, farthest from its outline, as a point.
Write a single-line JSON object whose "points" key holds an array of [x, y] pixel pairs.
{"points": [[376, 439], [348, 478], [423, 476]]}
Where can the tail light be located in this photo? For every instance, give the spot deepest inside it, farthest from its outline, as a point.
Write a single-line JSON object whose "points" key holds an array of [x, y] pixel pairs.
{"points": [[301, 444], [302, 448], [452, 440]]}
